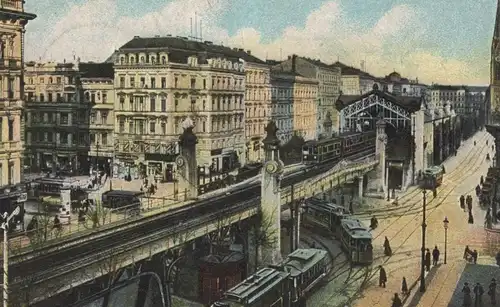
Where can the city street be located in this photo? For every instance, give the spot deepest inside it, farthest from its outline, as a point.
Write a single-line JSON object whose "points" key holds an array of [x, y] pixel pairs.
{"points": [[402, 226]]}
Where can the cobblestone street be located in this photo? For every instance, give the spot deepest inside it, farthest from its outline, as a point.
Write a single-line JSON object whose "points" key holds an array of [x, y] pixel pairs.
{"points": [[402, 225]]}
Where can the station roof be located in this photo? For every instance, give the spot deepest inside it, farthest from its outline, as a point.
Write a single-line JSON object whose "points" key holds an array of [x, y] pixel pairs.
{"points": [[256, 285], [302, 260], [408, 103]]}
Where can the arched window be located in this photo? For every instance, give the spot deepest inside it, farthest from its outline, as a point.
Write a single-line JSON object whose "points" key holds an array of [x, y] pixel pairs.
{"points": [[153, 60], [132, 60], [51, 80], [122, 60], [143, 59], [98, 96], [164, 60]]}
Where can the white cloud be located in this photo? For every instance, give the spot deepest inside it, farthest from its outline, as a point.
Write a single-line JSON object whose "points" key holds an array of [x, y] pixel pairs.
{"points": [[93, 30]]}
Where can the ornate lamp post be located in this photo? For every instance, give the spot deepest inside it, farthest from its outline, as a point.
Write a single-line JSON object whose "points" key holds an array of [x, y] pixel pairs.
{"points": [[445, 225], [422, 265]]}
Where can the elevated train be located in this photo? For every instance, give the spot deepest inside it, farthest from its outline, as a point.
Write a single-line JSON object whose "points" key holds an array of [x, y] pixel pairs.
{"points": [[337, 148]]}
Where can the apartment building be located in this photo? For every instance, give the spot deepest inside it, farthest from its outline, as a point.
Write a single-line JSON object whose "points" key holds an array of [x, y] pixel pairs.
{"points": [[354, 81], [455, 95], [258, 107], [57, 119], [282, 104], [161, 81], [97, 80], [329, 85], [304, 107], [14, 19]]}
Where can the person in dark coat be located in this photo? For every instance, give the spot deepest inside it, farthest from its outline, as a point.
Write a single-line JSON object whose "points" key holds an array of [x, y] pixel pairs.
{"points": [[427, 259], [478, 295], [382, 279], [462, 202], [497, 257], [474, 256], [492, 292], [396, 301], [435, 255], [469, 202], [471, 218], [404, 287], [467, 295], [434, 192], [481, 181], [387, 247]]}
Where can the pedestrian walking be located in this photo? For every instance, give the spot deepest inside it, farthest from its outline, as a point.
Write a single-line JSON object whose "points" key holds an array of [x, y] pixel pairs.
{"points": [[467, 253], [471, 218], [435, 255], [396, 301], [497, 257], [427, 259], [382, 279], [478, 295], [474, 256], [492, 292], [462, 202], [434, 192], [481, 181], [469, 202], [387, 247], [467, 295], [404, 287]]}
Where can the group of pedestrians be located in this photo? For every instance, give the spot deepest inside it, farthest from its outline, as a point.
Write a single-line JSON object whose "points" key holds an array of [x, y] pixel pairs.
{"points": [[478, 291]]}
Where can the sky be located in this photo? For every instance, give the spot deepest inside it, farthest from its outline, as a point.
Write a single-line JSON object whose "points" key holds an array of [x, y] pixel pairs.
{"points": [[445, 41]]}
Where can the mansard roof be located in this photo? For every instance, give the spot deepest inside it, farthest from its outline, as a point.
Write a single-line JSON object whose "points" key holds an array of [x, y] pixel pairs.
{"points": [[411, 104], [96, 70], [183, 43]]}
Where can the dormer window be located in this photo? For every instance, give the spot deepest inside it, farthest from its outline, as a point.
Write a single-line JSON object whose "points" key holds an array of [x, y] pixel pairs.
{"points": [[164, 60], [132, 60], [51, 80], [143, 59], [153, 60]]}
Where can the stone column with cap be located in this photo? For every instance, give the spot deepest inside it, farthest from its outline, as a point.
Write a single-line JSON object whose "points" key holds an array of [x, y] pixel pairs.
{"points": [[187, 166], [271, 196], [380, 147]]}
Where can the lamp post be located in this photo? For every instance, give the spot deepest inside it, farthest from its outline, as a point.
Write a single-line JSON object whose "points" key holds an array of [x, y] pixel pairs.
{"points": [[5, 226], [422, 267], [445, 224]]}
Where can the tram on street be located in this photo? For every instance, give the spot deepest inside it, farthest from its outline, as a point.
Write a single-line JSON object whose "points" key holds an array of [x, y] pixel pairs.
{"points": [[356, 240], [121, 199], [432, 177], [326, 215]]}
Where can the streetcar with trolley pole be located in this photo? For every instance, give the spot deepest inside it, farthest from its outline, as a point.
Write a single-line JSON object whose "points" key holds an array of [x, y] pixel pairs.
{"points": [[356, 240], [432, 178]]}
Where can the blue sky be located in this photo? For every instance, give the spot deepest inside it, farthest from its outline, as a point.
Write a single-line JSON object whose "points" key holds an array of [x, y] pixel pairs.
{"points": [[454, 36]]}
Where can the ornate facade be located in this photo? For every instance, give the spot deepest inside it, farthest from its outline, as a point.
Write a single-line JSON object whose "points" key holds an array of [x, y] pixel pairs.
{"points": [[304, 107], [257, 108], [282, 112], [12, 28], [57, 118], [158, 88]]}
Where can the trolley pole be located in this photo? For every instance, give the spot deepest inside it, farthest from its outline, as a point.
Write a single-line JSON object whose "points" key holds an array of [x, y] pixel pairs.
{"points": [[422, 267]]}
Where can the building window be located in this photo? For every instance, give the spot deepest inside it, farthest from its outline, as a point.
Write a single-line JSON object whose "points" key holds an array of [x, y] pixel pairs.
{"points": [[193, 83], [141, 127], [121, 125], [122, 103], [11, 129], [152, 104], [92, 98], [204, 84], [163, 128], [11, 174], [176, 80], [64, 118], [176, 104], [50, 97], [152, 127], [104, 139], [193, 105], [164, 105], [1, 129], [163, 82], [153, 83], [132, 82], [104, 97], [122, 81], [104, 118], [58, 97], [10, 89], [143, 82], [164, 60], [63, 138]]}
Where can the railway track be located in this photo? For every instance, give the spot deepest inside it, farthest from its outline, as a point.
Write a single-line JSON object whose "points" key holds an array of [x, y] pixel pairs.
{"points": [[411, 209], [48, 264]]}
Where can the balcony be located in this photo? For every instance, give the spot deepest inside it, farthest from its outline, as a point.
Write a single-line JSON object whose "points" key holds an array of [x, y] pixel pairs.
{"points": [[10, 146]]}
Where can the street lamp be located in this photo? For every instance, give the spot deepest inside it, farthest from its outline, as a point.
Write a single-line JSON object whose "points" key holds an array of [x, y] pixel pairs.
{"points": [[5, 226], [422, 267], [445, 224]]}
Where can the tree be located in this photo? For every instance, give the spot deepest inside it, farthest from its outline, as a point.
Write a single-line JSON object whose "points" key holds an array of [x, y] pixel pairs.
{"points": [[97, 215], [291, 152], [264, 235], [219, 236], [41, 229]]}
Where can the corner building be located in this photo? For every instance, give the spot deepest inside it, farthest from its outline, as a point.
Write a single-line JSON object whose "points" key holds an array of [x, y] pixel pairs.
{"points": [[160, 82], [56, 119], [12, 28]]}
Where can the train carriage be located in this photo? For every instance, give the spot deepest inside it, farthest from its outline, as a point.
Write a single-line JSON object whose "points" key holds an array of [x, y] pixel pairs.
{"points": [[356, 240], [318, 212], [432, 177]]}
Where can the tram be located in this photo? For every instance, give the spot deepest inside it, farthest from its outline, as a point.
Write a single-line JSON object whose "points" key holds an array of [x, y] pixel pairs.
{"points": [[432, 177], [318, 212], [356, 241], [122, 200]]}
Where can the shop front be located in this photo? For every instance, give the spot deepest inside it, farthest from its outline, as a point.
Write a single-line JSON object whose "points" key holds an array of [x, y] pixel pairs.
{"points": [[126, 168], [161, 166]]}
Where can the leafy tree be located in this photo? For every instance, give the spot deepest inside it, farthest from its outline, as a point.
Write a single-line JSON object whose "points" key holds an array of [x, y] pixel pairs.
{"points": [[264, 236], [291, 152]]}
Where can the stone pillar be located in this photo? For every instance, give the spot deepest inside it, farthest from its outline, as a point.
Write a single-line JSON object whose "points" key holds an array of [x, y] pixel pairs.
{"points": [[271, 196], [187, 166], [360, 189], [380, 146]]}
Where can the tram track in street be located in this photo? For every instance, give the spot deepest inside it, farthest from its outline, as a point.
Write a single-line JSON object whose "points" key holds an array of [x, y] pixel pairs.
{"points": [[369, 272], [478, 159]]}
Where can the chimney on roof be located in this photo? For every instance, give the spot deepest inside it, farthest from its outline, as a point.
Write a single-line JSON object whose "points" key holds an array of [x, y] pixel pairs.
{"points": [[249, 52], [241, 50], [294, 60], [137, 36]]}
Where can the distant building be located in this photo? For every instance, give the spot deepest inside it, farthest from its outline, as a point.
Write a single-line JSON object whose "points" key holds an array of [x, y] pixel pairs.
{"points": [[161, 81], [401, 86], [97, 81], [57, 118], [355, 81], [455, 95], [329, 86]]}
